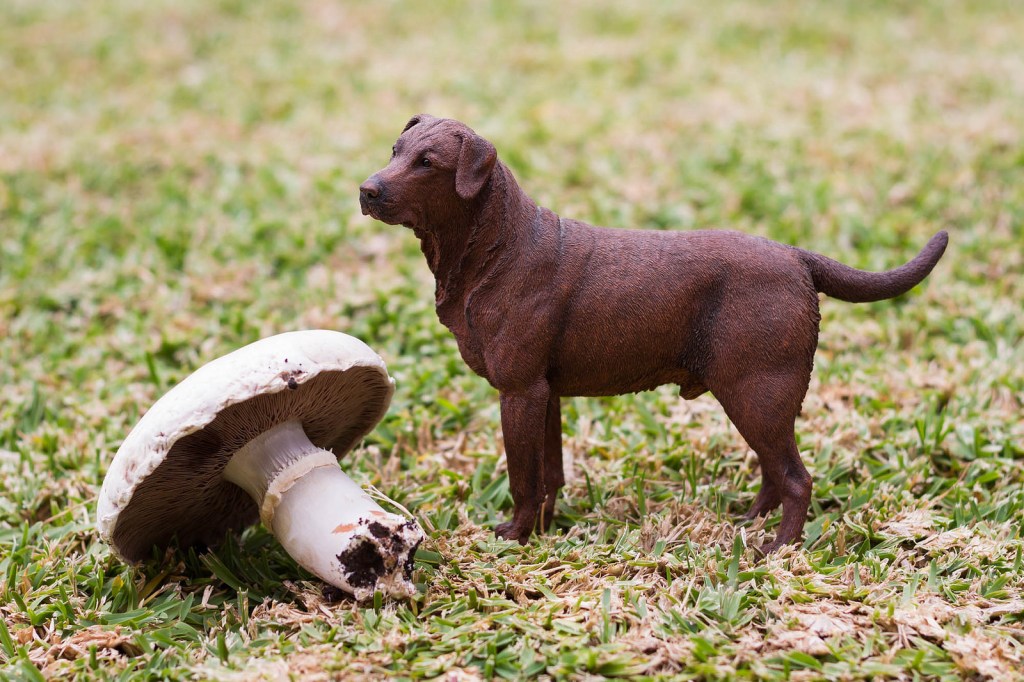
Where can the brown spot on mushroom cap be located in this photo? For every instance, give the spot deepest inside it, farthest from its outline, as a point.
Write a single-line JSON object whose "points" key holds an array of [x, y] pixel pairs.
{"points": [[186, 496]]}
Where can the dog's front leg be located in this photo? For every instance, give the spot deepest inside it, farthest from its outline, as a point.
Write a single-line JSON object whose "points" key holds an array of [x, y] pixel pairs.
{"points": [[554, 474], [523, 417]]}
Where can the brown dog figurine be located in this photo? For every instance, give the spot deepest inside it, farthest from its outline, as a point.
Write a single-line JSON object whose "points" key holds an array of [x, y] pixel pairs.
{"points": [[544, 307]]}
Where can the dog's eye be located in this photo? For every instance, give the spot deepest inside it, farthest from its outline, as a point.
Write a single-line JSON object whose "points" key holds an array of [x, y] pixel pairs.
{"points": [[394, 150], [425, 162]]}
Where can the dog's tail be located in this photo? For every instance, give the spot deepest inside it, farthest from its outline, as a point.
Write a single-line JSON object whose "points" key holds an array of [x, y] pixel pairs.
{"points": [[858, 286]]}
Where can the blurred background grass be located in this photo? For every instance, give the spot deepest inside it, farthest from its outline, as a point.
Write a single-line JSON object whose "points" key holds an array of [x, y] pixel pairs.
{"points": [[180, 178]]}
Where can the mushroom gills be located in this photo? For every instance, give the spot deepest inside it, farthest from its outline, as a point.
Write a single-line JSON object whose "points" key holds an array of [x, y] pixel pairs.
{"points": [[322, 518]]}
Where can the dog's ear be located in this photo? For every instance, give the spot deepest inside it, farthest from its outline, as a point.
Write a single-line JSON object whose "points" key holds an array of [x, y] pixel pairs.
{"points": [[418, 118], [412, 121], [476, 161]]}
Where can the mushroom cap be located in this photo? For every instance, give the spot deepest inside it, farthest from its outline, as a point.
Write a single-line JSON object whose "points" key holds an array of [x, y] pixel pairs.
{"points": [[166, 479]]}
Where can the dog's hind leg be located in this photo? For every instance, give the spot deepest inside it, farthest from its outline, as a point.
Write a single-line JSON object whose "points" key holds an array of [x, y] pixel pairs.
{"points": [[763, 407], [768, 498]]}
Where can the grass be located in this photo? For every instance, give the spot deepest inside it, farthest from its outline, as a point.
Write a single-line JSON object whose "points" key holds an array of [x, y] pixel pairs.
{"points": [[179, 179]]}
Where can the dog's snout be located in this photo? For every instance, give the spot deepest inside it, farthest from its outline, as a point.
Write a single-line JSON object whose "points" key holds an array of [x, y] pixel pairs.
{"points": [[369, 192], [370, 189]]}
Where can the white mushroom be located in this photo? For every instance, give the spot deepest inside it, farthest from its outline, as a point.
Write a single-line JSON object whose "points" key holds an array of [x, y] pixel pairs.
{"points": [[249, 436]]}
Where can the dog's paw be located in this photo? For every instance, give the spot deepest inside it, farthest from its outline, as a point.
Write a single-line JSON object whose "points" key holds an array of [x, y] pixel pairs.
{"points": [[772, 547], [510, 531]]}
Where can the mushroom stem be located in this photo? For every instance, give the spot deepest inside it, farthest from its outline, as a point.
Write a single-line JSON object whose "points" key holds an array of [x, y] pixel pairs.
{"points": [[322, 518]]}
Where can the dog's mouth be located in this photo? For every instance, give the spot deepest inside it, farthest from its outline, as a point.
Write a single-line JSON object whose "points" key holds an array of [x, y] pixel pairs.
{"points": [[382, 213], [367, 208]]}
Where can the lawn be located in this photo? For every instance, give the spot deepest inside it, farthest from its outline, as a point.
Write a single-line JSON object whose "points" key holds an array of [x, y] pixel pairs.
{"points": [[178, 179]]}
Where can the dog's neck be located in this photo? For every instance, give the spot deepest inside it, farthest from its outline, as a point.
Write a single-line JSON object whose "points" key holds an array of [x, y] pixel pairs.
{"points": [[475, 237]]}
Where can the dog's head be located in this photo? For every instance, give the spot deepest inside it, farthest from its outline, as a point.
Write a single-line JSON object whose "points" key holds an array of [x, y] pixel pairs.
{"points": [[437, 166]]}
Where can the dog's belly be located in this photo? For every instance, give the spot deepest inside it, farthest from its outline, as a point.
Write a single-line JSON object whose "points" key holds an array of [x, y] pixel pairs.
{"points": [[597, 373], [689, 386]]}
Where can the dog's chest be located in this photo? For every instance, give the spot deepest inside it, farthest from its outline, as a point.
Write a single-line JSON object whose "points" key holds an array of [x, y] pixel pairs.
{"points": [[470, 348]]}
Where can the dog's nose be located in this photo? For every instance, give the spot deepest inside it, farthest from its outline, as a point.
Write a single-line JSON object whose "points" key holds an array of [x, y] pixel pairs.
{"points": [[369, 189]]}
